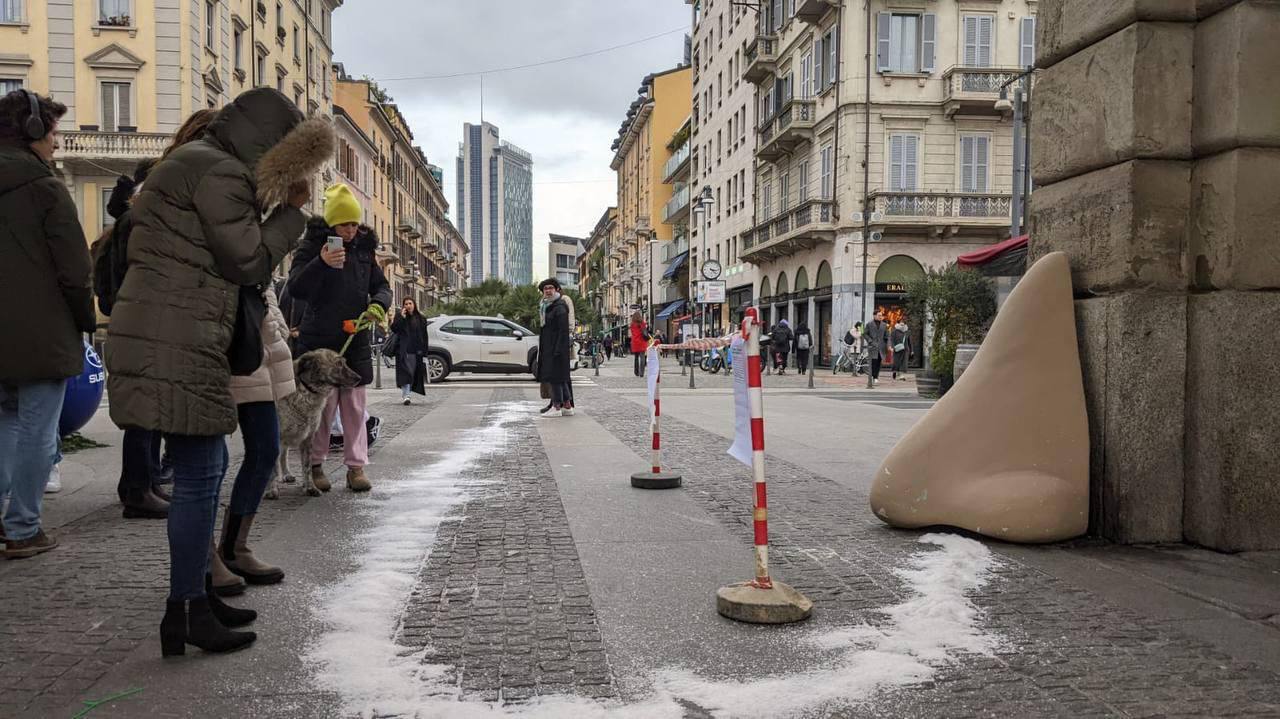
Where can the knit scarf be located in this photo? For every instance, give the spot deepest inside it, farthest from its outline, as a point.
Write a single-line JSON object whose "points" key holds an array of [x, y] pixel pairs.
{"points": [[543, 304]]}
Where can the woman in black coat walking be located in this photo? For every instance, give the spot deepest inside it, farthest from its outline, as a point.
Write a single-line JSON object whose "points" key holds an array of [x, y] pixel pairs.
{"points": [[410, 330], [553, 348]]}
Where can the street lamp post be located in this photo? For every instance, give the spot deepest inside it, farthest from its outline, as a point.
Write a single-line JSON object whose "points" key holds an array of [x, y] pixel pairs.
{"points": [[1021, 146]]}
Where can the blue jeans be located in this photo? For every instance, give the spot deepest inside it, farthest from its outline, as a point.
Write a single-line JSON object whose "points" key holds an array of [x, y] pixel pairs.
{"points": [[260, 428], [404, 390], [29, 415], [199, 463], [140, 459]]}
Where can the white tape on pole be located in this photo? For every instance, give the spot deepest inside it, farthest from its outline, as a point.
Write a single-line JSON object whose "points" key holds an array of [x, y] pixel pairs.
{"points": [[741, 448], [651, 376]]}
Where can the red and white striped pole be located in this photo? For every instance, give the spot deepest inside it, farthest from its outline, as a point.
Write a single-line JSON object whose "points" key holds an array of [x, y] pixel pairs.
{"points": [[755, 399], [656, 478], [761, 600], [657, 420]]}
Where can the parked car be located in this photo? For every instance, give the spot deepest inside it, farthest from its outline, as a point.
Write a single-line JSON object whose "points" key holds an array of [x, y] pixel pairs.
{"points": [[483, 345]]}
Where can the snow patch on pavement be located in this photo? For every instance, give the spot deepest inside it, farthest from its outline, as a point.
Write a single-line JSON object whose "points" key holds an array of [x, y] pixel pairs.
{"points": [[359, 659], [927, 631]]}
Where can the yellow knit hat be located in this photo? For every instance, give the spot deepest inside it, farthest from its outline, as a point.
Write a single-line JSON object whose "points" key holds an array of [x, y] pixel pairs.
{"points": [[340, 206]]}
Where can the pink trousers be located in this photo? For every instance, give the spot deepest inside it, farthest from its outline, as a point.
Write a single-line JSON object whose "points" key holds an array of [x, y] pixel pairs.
{"points": [[355, 440]]}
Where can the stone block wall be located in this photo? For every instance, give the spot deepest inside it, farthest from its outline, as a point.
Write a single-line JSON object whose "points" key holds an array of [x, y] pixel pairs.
{"points": [[1156, 155]]}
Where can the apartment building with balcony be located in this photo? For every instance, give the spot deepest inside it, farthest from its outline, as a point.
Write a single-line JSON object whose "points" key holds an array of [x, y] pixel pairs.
{"points": [[594, 282], [130, 72], [722, 161], [646, 201], [866, 175], [408, 207]]}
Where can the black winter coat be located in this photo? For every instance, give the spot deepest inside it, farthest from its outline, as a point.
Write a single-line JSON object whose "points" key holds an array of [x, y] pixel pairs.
{"points": [[44, 273], [782, 337], [334, 296], [553, 344], [411, 345]]}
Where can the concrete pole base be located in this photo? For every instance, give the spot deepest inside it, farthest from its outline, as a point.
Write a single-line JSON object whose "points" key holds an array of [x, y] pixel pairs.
{"points": [[649, 480], [779, 605]]}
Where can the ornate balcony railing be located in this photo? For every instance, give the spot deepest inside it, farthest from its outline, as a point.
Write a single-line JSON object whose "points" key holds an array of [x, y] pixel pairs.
{"points": [[123, 145], [761, 58], [896, 206], [974, 89], [800, 227], [792, 125]]}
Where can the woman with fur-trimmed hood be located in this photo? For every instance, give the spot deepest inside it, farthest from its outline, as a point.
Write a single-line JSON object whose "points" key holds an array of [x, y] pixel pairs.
{"points": [[199, 235]]}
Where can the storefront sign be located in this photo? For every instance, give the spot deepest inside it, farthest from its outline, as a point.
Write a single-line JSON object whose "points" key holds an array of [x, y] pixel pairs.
{"points": [[890, 288]]}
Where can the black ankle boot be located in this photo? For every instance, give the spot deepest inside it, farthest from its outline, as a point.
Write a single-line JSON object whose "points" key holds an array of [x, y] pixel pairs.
{"points": [[226, 614], [193, 623]]}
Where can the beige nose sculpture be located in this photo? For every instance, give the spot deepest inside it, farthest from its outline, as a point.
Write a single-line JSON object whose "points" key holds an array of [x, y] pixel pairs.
{"points": [[1006, 452]]}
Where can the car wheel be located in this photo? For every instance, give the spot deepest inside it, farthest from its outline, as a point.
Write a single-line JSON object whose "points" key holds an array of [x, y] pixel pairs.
{"points": [[437, 368]]}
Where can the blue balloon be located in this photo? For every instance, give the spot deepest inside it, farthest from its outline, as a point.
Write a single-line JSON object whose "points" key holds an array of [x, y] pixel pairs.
{"points": [[84, 394]]}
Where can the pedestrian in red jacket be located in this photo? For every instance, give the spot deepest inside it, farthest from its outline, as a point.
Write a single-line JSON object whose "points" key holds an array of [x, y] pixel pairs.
{"points": [[639, 340]]}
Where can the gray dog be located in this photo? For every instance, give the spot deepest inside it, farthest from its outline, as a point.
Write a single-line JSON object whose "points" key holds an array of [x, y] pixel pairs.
{"points": [[316, 373]]}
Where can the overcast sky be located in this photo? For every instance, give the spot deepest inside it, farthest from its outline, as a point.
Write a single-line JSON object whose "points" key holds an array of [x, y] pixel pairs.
{"points": [[566, 114]]}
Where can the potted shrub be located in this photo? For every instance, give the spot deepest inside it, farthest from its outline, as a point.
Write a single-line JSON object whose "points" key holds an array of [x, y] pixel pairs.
{"points": [[959, 306]]}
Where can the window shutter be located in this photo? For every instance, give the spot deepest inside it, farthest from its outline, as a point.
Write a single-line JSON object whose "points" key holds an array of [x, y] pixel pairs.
{"points": [[984, 41], [1027, 42], [981, 155], [804, 180], [818, 86], [970, 41], [108, 119], [882, 41], [777, 15], [966, 164], [833, 57], [125, 112], [895, 163], [910, 161], [928, 42]]}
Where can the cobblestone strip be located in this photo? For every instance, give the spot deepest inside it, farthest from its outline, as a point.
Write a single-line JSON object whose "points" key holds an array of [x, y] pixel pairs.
{"points": [[1065, 652], [502, 598], [70, 615]]}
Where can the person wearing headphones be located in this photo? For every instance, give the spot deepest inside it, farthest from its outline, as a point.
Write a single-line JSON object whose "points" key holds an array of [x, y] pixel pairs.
{"points": [[46, 292]]}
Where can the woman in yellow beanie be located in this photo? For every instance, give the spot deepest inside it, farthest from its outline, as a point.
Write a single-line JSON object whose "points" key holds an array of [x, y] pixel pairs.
{"points": [[337, 285]]}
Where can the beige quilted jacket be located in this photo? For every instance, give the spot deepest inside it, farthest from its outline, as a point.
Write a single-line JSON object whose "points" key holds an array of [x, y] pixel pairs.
{"points": [[274, 379]]}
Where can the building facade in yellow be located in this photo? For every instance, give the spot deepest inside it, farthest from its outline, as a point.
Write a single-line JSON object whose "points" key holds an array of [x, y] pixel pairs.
{"points": [[640, 158], [131, 71]]}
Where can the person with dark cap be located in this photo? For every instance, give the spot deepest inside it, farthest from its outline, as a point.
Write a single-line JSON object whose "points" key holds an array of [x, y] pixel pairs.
{"points": [[45, 286], [213, 220], [554, 342]]}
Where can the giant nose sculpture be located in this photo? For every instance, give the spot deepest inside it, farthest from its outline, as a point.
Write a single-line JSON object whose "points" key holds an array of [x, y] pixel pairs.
{"points": [[1006, 452]]}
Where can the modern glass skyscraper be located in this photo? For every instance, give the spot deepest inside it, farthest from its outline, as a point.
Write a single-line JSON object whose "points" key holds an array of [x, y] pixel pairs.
{"points": [[495, 205]]}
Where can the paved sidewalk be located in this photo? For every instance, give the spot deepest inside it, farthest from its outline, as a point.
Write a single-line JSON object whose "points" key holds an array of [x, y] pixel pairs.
{"points": [[503, 557]]}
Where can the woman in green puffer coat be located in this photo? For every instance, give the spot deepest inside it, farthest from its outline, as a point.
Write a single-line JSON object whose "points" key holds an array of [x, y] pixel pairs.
{"points": [[199, 235]]}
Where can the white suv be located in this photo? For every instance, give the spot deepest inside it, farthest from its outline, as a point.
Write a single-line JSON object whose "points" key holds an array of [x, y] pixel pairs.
{"points": [[486, 345]]}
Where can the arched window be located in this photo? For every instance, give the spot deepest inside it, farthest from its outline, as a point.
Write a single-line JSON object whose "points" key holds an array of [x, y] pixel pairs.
{"points": [[898, 270], [802, 280], [824, 277], [783, 288], [764, 288]]}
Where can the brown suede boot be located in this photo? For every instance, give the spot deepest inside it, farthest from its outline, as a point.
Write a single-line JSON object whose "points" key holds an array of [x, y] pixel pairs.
{"points": [[319, 479], [356, 481], [225, 584], [237, 556]]}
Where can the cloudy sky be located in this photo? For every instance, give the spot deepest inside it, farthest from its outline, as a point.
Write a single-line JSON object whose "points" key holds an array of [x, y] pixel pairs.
{"points": [[565, 114]]}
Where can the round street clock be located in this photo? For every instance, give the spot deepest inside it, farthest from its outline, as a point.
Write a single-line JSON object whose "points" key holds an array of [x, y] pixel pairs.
{"points": [[711, 270]]}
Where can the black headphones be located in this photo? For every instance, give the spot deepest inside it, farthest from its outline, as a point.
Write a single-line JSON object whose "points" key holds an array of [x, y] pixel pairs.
{"points": [[34, 126]]}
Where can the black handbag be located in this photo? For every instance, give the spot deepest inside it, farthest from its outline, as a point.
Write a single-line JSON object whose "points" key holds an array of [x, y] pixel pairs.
{"points": [[245, 353], [389, 347]]}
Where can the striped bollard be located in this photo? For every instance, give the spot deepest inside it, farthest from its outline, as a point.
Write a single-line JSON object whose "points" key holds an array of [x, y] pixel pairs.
{"points": [[762, 600], [655, 479]]}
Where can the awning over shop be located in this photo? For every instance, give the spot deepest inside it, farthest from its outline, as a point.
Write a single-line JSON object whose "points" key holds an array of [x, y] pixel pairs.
{"points": [[671, 309], [673, 269], [1003, 258]]}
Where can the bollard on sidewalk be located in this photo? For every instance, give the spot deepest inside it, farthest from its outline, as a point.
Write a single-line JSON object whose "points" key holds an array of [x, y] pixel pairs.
{"points": [[761, 600], [656, 479]]}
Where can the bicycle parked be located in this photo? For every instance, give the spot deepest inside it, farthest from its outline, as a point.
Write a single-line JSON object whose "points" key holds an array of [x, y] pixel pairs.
{"points": [[717, 359], [851, 360]]}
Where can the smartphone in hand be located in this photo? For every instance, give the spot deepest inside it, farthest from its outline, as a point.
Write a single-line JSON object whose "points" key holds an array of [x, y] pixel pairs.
{"points": [[334, 244]]}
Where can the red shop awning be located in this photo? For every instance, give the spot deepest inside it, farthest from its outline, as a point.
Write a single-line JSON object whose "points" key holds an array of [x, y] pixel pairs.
{"points": [[977, 258]]}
